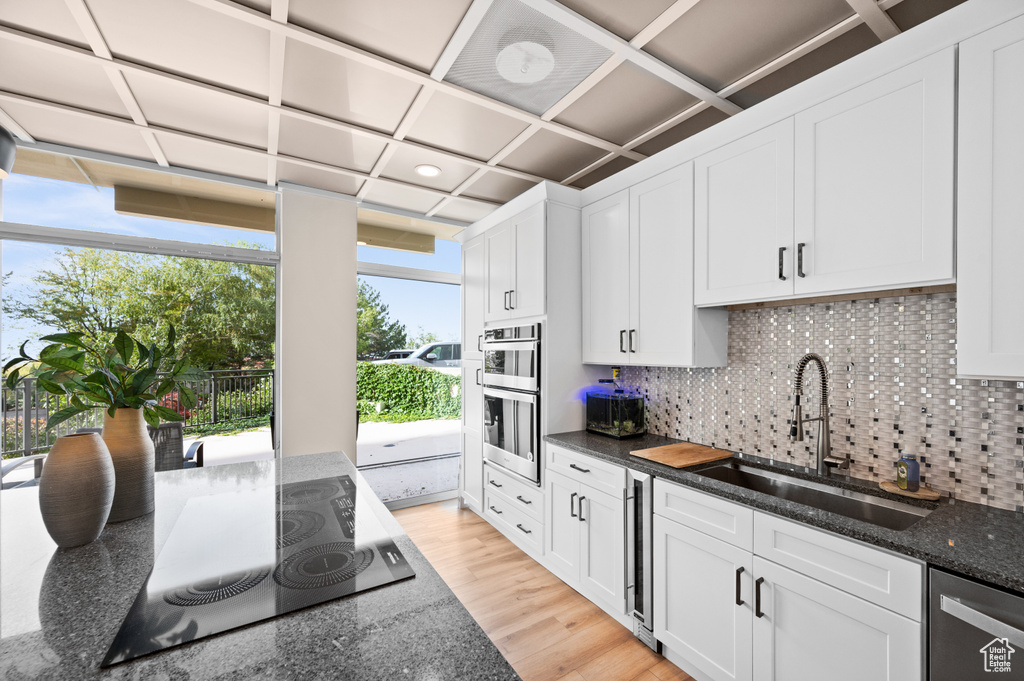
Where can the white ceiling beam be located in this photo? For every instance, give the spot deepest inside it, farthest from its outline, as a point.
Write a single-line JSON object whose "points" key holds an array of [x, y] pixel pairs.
{"points": [[438, 207], [413, 113], [16, 35], [586, 85], [275, 87], [512, 146], [589, 169], [470, 21], [257, 18], [876, 18], [149, 137], [661, 22], [87, 24], [15, 128], [121, 122], [378, 167], [88, 178]]}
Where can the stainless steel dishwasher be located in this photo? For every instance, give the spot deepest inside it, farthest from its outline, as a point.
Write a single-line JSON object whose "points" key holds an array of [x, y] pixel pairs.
{"points": [[976, 631]]}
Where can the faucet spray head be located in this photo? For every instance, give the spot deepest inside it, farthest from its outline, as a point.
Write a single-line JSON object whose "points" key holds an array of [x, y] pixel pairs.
{"points": [[796, 431]]}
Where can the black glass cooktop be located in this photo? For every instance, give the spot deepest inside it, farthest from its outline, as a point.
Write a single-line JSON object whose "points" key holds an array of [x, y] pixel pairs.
{"points": [[239, 558]]}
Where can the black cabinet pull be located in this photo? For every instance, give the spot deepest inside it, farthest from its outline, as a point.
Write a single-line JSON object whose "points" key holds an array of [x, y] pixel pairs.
{"points": [[525, 501], [582, 519], [478, 376], [632, 334], [581, 470], [622, 340], [524, 529], [491, 482], [800, 260], [572, 504], [782, 250], [496, 510], [512, 299], [757, 597], [739, 599]]}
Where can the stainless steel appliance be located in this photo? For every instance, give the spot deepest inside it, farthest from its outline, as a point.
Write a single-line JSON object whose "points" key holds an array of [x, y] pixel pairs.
{"points": [[639, 556], [975, 631], [512, 431], [512, 357]]}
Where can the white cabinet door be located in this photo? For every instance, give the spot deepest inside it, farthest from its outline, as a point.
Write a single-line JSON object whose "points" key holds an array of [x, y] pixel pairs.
{"points": [[603, 548], [562, 551], [526, 297], [498, 271], [990, 231], [703, 600], [471, 471], [661, 278], [606, 280], [474, 287], [472, 394], [810, 631], [743, 208], [874, 182]]}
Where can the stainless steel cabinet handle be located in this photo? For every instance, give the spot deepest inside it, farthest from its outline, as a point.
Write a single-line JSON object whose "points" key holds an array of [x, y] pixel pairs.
{"points": [[581, 470], [800, 260], [491, 482], [524, 529], [496, 510], [506, 301], [525, 501], [572, 502], [512, 299], [622, 340], [782, 251], [479, 342], [739, 599], [478, 376], [582, 519], [632, 334], [757, 597], [976, 618]]}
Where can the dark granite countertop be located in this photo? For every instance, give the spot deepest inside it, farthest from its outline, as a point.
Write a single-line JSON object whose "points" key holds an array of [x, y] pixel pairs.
{"points": [[971, 539], [60, 610]]}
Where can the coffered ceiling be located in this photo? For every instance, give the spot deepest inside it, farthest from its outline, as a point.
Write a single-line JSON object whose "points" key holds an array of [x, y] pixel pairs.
{"points": [[351, 96]]}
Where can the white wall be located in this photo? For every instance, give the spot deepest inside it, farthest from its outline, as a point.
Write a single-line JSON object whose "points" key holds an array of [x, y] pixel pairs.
{"points": [[316, 359]]}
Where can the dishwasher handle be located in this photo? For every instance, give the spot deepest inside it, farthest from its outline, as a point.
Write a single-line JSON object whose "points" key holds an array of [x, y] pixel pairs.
{"points": [[953, 607]]}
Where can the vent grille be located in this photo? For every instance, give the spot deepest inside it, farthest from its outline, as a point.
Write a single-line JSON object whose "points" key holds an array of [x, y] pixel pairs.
{"points": [[508, 22]]}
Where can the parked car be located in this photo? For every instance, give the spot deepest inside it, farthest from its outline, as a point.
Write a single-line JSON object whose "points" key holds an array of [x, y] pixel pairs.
{"points": [[396, 354], [437, 355]]}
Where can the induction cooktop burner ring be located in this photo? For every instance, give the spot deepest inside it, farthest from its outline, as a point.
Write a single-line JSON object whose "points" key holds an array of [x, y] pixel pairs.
{"points": [[217, 588], [323, 565], [302, 493], [297, 526]]}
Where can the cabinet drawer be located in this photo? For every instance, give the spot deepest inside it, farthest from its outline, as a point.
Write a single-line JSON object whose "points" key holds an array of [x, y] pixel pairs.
{"points": [[526, 497], [527, 531], [877, 576], [716, 517], [601, 475]]}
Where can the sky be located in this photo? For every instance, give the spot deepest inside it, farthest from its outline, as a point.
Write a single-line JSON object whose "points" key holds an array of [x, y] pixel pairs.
{"points": [[53, 203]]}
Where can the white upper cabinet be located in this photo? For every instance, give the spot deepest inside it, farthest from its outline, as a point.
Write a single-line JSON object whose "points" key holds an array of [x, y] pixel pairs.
{"points": [[743, 230], [473, 268], [874, 182], [990, 226], [637, 284], [515, 267]]}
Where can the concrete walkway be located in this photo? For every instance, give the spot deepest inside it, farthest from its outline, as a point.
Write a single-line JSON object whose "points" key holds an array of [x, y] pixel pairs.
{"points": [[388, 443]]}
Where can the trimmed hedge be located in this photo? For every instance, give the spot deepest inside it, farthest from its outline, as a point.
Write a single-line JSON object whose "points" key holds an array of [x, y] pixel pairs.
{"points": [[406, 392]]}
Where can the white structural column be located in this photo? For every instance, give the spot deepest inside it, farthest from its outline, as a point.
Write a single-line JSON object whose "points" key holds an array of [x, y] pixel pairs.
{"points": [[317, 317]]}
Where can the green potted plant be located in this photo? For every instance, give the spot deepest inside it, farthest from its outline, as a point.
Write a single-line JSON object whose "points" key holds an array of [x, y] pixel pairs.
{"points": [[126, 380]]}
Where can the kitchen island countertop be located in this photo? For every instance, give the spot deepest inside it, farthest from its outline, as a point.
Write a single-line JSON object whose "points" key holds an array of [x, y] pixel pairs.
{"points": [[60, 610]]}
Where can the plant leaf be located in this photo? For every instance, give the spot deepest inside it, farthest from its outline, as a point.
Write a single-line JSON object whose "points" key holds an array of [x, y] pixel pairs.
{"points": [[190, 373], [21, 351], [168, 414], [51, 387], [63, 363], [165, 387], [13, 363], [143, 351], [12, 378], [112, 410], [62, 416], [50, 349], [170, 339], [188, 397], [124, 345], [155, 356], [74, 338], [143, 379], [151, 417], [96, 377]]}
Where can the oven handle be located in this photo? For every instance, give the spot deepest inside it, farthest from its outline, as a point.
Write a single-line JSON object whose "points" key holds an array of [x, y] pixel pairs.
{"points": [[511, 346], [631, 547], [510, 395], [953, 607]]}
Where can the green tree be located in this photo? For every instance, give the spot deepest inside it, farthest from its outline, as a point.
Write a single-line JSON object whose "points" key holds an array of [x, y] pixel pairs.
{"points": [[422, 338], [223, 312], [376, 333]]}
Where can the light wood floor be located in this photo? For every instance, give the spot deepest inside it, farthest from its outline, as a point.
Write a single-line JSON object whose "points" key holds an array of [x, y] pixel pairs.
{"points": [[547, 631]]}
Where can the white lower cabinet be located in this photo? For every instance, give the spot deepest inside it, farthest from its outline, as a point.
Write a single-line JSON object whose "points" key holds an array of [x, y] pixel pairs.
{"points": [[586, 543], [515, 507], [727, 613]]}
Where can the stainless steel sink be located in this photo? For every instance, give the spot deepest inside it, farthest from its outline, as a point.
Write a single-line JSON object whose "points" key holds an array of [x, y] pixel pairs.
{"points": [[890, 514]]}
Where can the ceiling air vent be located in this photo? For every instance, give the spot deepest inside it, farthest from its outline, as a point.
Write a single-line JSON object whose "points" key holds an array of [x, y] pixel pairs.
{"points": [[522, 57]]}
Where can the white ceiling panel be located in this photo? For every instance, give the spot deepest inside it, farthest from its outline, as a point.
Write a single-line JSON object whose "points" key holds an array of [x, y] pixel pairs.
{"points": [[624, 19], [315, 142], [407, 198], [411, 33], [61, 127], [185, 38], [553, 156], [451, 123], [37, 72], [498, 187], [465, 211], [217, 158], [402, 166], [190, 108], [324, 83], [48, 18], [320, 179]]}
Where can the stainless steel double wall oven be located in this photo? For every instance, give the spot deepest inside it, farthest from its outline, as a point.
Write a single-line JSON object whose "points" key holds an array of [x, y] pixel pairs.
{"points": [[511, 379]]}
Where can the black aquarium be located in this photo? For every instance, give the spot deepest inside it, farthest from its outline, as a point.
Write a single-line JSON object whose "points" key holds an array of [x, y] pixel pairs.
{"points": [[615, 413]]}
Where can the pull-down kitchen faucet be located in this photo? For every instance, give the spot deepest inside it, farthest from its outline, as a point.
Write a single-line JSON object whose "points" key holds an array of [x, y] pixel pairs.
{"points": [[825, 459]]}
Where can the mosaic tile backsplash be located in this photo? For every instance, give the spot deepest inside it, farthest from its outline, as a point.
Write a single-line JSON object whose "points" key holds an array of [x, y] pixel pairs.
{"points": [[892, 372]]}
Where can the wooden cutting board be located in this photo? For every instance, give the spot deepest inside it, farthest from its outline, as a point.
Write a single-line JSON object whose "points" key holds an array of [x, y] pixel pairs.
{"points": [[682, 454], [926, 493]]}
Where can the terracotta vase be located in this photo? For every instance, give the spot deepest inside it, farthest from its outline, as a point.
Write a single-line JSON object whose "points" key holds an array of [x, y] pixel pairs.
{"points": [[134, 459], [76, 489]]}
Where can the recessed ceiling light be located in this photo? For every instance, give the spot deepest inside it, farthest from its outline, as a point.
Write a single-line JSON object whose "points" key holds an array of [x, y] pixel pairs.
{"points": [[427, 170], [525, 62]]}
